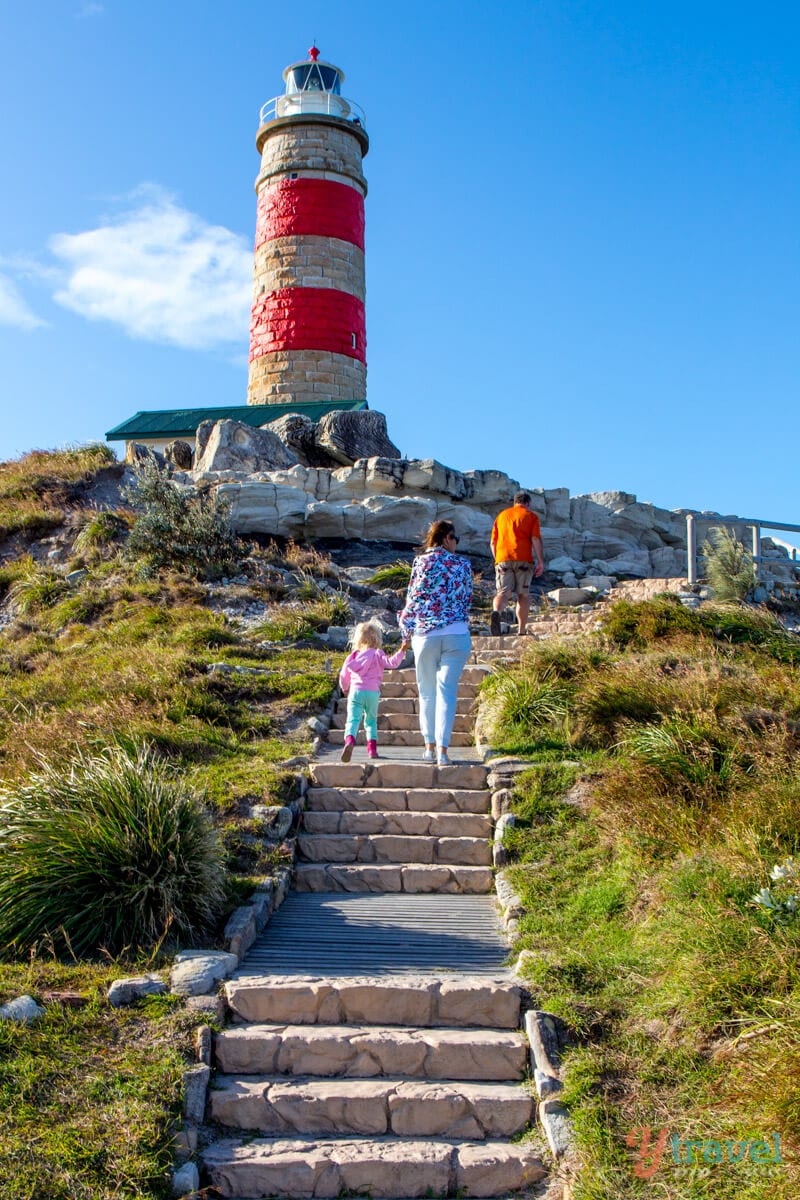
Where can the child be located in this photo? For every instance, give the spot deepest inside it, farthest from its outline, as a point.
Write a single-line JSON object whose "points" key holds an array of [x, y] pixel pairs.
{"points": [[361, 678]]}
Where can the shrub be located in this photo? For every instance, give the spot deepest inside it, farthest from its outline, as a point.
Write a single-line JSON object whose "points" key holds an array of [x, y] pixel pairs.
{"points": [[640, 624], [179, 527], [729, 567], [105, 852]]}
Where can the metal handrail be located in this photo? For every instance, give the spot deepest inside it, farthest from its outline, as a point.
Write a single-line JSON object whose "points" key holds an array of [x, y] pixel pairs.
{"points": [[329, 105], [755, 524]]}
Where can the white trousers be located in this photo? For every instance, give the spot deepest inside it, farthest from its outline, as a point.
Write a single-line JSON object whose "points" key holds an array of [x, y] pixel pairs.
{"points": [[439, 662]]}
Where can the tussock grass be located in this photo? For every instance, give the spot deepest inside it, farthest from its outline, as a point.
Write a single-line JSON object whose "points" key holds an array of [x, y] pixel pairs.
{"points": [[729, 566], [394, 575], [638, 885], [105, 852], [301, 620]]}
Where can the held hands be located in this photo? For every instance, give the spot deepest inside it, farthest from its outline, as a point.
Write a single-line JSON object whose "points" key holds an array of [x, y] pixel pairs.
{"points": [[404, 645]]}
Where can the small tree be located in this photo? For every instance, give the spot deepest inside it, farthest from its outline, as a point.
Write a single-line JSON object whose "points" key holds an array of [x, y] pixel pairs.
{"points": [[179, 527], [729, 567]]}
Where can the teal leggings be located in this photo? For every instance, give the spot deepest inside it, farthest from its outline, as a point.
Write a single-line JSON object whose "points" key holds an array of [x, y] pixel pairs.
{"points": [[362, 704]]}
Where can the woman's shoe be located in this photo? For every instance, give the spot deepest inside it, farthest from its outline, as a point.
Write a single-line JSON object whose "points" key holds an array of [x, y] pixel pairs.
{"points": [[443, 760], [347, 749], [429, 756]]}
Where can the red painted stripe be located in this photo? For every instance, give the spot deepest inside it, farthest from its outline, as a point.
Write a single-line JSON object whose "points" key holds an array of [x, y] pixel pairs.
{"points": [[305, 318], [323, 207]]}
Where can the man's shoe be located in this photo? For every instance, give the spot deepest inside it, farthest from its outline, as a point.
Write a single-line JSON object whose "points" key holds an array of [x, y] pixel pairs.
{"points": [[495, 627]]}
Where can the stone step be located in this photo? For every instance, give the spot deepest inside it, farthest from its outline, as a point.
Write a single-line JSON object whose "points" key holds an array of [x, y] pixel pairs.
{"points": [[397, 775], [432, 824], [470, 675], [407, 689], [408, 1108], [367, 1051], [383, 1168], [342, 877], [396, 800], [364, 999], [510, 641], [393, 848], [407, 704], [463, 723], [400, 737]]}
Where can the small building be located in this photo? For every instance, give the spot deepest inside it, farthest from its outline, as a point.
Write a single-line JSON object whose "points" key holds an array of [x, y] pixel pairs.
{"points": [[159, 427]]}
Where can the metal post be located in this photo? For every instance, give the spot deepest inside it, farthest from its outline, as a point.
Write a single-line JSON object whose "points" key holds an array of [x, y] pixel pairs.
{"points": [[691, 549], [756, 549]]}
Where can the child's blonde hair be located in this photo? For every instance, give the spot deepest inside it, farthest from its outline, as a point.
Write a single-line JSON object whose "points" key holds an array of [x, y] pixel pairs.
{"points": [[367, 636]]}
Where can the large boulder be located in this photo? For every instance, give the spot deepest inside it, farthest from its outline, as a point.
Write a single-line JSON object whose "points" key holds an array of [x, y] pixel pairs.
{"points": [[179, 453], [347, 436], [298, 432], [235, 446]]}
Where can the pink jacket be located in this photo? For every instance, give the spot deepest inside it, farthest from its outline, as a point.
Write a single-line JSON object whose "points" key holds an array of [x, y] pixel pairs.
{"points": [[364, 669]]}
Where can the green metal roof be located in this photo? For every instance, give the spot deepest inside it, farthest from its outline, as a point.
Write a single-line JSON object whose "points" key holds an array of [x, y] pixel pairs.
{"points": [[183, 422]]}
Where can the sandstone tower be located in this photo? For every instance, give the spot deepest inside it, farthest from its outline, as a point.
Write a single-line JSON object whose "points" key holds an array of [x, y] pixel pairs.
{"points": [[307, 325]]}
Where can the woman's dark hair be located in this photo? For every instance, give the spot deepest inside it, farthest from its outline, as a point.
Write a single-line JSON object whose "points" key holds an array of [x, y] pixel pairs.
{"points": [[436, 534]]}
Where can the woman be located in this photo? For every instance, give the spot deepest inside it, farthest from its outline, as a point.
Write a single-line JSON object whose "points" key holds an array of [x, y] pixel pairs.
{"points": [[435, 618]]}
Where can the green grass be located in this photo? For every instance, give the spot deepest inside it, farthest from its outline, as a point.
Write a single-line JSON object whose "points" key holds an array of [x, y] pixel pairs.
{"points": [[36, 488], [89, 1095], [683, 997], [394, 575]]}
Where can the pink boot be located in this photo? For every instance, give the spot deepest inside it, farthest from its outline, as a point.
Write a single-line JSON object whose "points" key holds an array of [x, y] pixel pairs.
{"points": [[372, 748], [347, 751]]}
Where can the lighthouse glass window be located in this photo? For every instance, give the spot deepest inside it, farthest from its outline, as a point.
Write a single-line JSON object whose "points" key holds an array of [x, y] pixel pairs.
{"points": [[313, 77]]}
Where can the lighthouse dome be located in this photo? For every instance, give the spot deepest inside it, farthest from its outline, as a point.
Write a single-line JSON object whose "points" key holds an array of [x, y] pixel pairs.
{"points": [[313, 75]]}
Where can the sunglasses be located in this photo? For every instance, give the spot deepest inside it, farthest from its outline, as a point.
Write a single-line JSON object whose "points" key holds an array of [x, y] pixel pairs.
{"points": [[454, 536]]}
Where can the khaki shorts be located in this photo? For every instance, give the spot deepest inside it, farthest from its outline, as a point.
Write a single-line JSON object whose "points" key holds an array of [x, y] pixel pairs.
{"points": [[513, 577]]}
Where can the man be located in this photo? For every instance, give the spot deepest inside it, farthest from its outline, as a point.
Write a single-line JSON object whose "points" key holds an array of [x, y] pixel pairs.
{"points": [[518, 556]]}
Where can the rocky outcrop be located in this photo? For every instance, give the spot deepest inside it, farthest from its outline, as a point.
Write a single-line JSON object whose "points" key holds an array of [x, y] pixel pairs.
{"points": [[380, 496], [348, 436], [235, 446]]}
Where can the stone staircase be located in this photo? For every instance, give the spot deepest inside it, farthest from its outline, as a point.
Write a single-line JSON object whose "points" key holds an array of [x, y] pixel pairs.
{"points": [[410, 1080]]}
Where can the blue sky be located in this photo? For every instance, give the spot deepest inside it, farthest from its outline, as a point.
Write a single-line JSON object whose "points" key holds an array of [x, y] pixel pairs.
{"points": [[582, 228]]}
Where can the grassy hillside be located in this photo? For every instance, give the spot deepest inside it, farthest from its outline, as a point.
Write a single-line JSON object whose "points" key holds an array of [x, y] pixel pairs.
{"points": [[120, 658], [665, 786]]}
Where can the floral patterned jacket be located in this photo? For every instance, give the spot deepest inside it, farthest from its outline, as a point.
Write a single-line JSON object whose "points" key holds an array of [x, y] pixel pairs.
{"points": [[439, 592]]}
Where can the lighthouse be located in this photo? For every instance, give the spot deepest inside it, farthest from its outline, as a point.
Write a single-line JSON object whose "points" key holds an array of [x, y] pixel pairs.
{"points": [[307, 325]]}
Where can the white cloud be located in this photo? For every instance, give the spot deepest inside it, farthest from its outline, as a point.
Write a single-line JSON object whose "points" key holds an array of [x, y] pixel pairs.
{"points": [[13, 308], [161, 273]]}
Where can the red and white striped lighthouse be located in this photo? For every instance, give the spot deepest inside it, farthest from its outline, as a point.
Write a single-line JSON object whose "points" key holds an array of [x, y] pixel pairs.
{"points": [[307, 326]]}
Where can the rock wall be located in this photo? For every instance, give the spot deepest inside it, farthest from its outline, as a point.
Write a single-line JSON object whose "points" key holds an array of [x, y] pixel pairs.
{"points": [[392, 499]]}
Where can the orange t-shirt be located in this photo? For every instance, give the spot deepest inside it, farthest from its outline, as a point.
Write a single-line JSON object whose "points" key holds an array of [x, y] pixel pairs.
{"points": [[512, 533]]}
